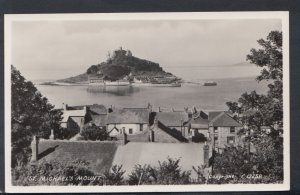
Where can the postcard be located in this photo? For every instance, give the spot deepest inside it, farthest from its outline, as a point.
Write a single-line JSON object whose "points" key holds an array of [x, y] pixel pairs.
{"points": [[147, 102]]}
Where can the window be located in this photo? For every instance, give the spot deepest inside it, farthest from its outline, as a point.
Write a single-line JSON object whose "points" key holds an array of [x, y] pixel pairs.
{"points": [[230, 139], [216, 128], [141, 127], [232, 129], [130, 131], [216, 136]]}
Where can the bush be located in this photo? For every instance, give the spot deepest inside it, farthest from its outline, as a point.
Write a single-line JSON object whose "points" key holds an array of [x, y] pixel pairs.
{"points": [[114, 176], [167, 173], [141, 175], [52, 173], [92, 132]]}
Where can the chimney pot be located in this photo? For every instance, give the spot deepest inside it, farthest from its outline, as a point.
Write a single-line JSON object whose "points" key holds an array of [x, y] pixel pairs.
{"points": [[52, 135], [35, 149], [206, 154]]}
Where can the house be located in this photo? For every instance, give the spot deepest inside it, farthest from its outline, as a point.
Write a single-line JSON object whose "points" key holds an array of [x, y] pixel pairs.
{"points": [[76, 117], [223, 129], [127, 120], [102, 155], [73, 119], [199, 128], [97, 115], [175, 120]]}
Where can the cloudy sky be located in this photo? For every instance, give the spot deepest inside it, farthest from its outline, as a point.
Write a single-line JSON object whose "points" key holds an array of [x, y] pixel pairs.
{"points": [[188, 48]]}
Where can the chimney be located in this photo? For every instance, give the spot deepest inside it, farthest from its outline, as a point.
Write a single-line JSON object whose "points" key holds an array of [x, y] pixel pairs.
{"points": [[194, 109], [34, 149], [206, 154], [85, 108], [52, 135], [65, 106], [182, 128], [186, 109], [149, 107], [155, 123], [152, 139], [124, 137], [81, 126]]}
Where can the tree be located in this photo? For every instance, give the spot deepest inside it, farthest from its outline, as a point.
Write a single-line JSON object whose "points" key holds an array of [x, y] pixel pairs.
{"points": [[169, 173], [92, 132], [114, 176], [269, 57], [31, 114], [141, 175], [264, 109], [255, 110]]}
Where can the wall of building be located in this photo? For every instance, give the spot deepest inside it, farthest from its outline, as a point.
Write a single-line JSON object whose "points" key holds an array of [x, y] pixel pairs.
{"points": [[163, 137], [71, 125], [136, 128], [223, 133]]}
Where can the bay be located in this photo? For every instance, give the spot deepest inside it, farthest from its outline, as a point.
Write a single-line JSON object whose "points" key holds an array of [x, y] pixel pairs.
{"points": [[203, 97]]}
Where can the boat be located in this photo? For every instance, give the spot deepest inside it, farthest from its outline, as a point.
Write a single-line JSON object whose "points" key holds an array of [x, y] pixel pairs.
{"points": [[210, 83]]}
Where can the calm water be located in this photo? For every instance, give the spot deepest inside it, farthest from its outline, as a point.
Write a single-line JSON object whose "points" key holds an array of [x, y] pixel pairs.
{"points": [[206, 98]]}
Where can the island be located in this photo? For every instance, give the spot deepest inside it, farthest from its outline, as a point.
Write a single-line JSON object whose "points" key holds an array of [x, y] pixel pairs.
{"points": [[121, 68]]}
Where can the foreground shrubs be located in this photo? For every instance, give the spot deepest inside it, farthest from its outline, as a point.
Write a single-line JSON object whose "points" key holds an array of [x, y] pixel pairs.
{"points": [[166, 173]]}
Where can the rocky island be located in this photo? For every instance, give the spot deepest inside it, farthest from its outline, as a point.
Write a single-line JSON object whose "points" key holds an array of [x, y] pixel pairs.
{"points": [[122, 68]]}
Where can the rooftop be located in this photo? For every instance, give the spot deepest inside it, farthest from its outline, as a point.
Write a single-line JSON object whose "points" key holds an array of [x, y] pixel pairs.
{"points": [[99, 154], [129, 116], [190, 154], [172, 119], [72, 113], [224, 120]]}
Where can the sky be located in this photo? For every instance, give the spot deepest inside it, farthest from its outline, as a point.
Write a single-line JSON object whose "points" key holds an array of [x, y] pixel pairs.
{"points": [[191, 49]]}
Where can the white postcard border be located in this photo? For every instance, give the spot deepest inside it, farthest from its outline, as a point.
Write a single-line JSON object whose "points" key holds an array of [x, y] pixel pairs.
{"points": [[283, 15]]}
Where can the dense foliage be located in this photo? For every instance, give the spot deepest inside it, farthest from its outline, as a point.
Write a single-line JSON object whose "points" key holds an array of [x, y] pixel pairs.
{"points": [[31, 114], [167, 173], [121, 64], [92, 132], [71, 173], [257, 110], [52, 173]]}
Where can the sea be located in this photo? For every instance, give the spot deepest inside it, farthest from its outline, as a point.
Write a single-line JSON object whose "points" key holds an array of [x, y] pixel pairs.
{"points": [[188, 95]]}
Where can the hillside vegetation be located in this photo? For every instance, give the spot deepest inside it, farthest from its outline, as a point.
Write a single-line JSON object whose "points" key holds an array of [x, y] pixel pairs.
{"points": [[119, 65]]}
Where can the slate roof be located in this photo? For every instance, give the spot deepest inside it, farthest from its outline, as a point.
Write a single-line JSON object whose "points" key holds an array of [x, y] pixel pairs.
{"points": [[224, 120], [77, 119], [102, 155], [97, 109], [98, 154], [97, 114], [199, 123], [99, 120], [190, 154], [69, 113], [212, 115], [129, 116], [172, 119]]}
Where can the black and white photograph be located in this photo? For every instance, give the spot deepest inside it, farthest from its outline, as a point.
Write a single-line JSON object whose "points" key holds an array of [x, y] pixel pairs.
{"points": [[144, 102]]}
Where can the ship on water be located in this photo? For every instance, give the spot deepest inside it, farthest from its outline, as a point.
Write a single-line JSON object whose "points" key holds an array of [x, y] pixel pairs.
{"points": [[210, 83]]}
